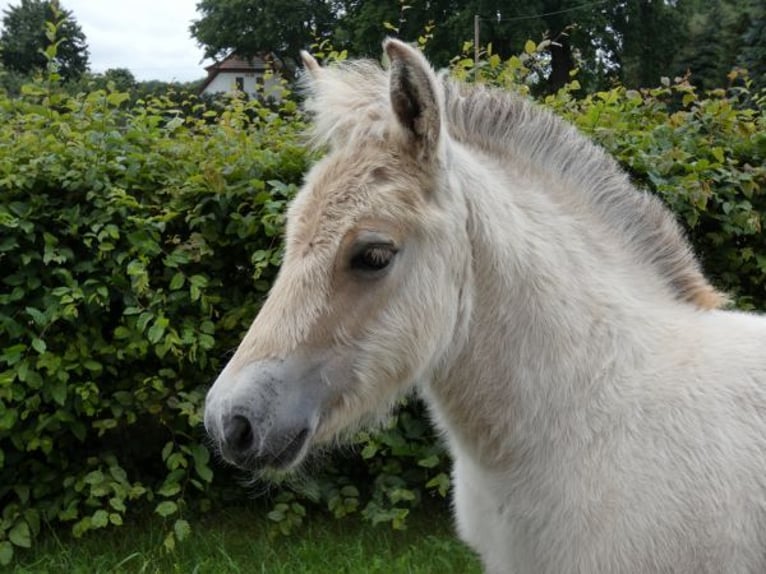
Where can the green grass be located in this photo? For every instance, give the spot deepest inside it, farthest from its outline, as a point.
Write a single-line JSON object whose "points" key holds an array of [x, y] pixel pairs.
{"points": [[236, 540]]}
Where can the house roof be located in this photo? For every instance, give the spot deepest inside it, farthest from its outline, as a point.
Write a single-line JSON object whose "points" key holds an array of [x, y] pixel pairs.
{"points": [[232, 64], [235, 63]]}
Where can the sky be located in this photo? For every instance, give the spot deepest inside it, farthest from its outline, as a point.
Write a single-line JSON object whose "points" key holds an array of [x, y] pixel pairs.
{"points": [[149, 37]]}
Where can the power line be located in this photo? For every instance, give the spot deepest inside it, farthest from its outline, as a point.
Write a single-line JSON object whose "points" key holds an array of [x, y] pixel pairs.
{"points": [[477, 19], [535, 16]]}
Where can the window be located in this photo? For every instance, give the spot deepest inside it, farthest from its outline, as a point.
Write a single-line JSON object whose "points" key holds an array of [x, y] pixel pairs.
{"points": [[240, 81]]}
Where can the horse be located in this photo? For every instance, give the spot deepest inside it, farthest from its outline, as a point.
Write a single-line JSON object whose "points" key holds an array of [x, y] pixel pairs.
{"points": [[603, 411]]}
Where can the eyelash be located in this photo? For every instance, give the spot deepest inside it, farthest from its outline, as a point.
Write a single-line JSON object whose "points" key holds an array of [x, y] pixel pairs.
{"points": [[373, 258]]}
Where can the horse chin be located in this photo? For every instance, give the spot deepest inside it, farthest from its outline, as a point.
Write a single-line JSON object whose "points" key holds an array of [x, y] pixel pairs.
{"points": [[284, 453]]}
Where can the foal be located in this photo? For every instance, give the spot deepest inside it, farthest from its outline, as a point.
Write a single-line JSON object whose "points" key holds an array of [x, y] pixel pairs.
{"points": [[603, 417]]}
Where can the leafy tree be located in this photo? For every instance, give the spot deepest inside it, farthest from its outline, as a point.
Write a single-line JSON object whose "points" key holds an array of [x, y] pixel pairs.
{"points": [[753, 49], [506, 24], [123, 79], [632, 41], [603, 38], [26, 35], [647, 39], [713, 38], [254, 27]]}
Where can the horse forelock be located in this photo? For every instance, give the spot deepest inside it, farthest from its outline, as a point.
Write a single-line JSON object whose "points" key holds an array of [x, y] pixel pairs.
{"points": [[350, 106], [348, 102]]}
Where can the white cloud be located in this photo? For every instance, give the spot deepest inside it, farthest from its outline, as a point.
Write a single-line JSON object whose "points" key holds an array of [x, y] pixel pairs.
{"points": [[149, 37]]}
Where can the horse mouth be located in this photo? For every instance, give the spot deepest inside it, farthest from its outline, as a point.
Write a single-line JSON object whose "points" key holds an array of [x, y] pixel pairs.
{"points": [[291, 451], [283, 455]]}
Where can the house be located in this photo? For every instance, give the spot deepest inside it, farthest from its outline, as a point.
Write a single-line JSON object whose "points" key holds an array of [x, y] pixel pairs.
{"points": [[253, 76]]}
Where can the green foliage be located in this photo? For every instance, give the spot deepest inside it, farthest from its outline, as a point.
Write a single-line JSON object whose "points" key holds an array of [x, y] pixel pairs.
{"points": [[136, 245], [38, 32], [753, 53], [712, 38], [642, 61], [122, 78]]}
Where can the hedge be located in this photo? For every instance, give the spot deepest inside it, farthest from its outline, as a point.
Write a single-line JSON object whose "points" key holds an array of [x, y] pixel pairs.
{"points": [[136, 247], [138, 242]]}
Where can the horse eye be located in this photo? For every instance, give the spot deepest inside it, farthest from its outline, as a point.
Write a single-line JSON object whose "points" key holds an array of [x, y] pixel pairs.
{"points": [[373, 258]]}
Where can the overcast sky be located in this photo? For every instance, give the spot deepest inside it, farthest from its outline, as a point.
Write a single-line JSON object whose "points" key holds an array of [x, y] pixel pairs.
{"points": [[149, 37]]}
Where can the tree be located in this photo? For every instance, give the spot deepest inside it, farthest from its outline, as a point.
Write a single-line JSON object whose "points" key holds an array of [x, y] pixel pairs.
{"points": [[24, 39], [649, 34], [713, 40], [122, 78], [256, 27], [753, 49]]}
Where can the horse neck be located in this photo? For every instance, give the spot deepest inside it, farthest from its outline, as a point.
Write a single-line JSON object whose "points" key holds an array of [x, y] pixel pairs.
{"points": [[555, 318]]}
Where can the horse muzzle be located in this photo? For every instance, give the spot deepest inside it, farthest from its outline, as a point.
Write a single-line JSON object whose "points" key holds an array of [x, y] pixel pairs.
{"points": [[266, 413]]}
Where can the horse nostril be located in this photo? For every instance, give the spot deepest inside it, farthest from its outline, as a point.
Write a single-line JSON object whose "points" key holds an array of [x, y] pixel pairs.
{"points": [[238, 434]]}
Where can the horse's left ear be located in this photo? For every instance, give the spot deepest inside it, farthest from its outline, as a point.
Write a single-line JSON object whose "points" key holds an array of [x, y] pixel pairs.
{"points": [[311, 65], [414, 94]]}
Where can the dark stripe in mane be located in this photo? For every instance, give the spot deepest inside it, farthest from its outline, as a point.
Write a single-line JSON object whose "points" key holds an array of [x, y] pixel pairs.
{"points": [[506, 125]]}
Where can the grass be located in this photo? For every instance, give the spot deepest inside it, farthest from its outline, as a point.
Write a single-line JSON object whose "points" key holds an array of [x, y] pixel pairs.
{"points": [[236, 541]]}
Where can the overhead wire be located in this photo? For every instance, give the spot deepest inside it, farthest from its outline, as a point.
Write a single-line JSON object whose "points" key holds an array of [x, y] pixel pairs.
{"points": [[541, 15]]}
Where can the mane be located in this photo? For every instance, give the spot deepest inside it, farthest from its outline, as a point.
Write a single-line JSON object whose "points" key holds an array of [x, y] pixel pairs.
{"points": [[350, 103]]}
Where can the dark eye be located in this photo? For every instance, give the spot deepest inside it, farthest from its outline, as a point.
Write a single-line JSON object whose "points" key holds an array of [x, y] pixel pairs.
{"points": [[372, 258]]}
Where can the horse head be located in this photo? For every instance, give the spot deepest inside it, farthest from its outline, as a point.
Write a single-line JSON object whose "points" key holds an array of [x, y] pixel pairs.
{"points": [[368, 295]]}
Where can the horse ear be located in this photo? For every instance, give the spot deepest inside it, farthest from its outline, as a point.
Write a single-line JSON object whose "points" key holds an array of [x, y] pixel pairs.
{"points": [[414, 90], [311, 65]]}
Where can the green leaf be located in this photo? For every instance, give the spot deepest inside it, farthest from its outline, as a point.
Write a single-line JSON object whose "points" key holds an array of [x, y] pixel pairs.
{"points": [[117, 98], [20, 535], [177, 281], [69, 513], [170, 542], [100, 518], [276, 516], [369, 451], [175, 123], [718, 154], [58, 390], [166, 450], [166, 508], [117, 503], [6, 553], [92, 365], [169, 489], [441, 482], [94, 477], [157, 330], [182, 529], [8, 419], [201, 458], [39, 345], [429, 462], [115, 519]]}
